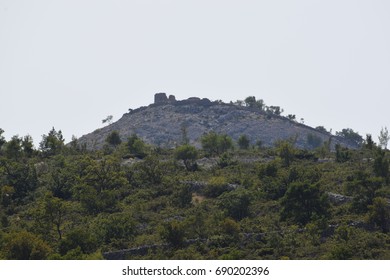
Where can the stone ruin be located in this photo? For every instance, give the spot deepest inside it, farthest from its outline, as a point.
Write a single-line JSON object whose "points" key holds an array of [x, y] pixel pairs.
{"points": [[160, 98]]}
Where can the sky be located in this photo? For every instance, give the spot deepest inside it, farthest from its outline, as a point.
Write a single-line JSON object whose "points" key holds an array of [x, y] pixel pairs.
{"points": [[68, 64]]}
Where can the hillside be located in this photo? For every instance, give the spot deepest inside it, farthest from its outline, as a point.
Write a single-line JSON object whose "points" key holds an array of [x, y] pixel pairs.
{"points": [[162, 124], [65, 202]]}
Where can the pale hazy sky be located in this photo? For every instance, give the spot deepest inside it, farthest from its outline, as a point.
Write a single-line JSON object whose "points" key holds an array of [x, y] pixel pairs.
{"points": [[69, 64]]}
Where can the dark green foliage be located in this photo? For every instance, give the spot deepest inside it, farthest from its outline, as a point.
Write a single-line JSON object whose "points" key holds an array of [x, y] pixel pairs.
{"points": [[225, 160], [182, 196], [150, 170], [50, 214], [304, 202], [114, 139], [251, 101], [52, 143], [381, 165], [291, 117], [269, 203], [13, 149], [342, 153], [115, 228], [215, 187], [173, 233], [268, 170], [286, 152], [136, 146], [274, 110], [22, 177], [188, 154], [2, 139], [369, 143], [25, 246], [78, 238], [379, 214], [364, 189], [313, 141], [214, 144], [351, 136], [243, 142], [235, 203], [322, 129]]}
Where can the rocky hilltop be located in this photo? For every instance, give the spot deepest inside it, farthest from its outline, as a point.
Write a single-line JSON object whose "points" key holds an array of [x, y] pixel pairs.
{"points": [[163, 124]]}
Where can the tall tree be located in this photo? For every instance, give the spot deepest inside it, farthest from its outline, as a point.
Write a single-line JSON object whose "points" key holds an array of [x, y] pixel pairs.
{"points": [[304, 202], [52, 143], [351, 136], [243, 142], [188, 154], [384, 137], [114, 139], [2, 139]]}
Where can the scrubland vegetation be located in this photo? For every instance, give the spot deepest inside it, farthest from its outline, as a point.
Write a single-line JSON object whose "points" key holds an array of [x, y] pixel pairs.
{"points": [[226, 200]]}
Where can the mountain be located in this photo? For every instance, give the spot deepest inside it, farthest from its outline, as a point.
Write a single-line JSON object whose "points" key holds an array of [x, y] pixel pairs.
{"points": [[167, 121]]}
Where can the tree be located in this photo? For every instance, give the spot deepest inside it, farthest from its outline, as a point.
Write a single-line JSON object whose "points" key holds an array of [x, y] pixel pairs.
{"points": [[184, 135], [342, 153], [214, 144], [108, 119], [22, 177], [188, 154], [304, 202], [351, 136], [2, 139], [225, 143], [50, 214], [236, 203], [173, 232], [291, 117], [313, 141], [136, 146], [384, 137], [25, 246], [114, 139], [243, 142], [13, 148], [78, 237], [114, 227], [369, 143], [364, 188], [27, 145], [381, 165], [322, 129], [250, 101], [286, 152], [52, 143], [275, 110], [379, 214]]}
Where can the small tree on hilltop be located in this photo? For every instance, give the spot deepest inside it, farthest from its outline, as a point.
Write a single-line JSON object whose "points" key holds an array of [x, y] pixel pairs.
{"points": [[108, 119]]}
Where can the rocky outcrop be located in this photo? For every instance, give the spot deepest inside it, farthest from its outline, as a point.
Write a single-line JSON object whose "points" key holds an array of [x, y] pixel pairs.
{"points": [[162, 124]]}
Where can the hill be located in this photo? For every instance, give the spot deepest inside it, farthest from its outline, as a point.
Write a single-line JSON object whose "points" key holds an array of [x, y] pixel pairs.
{"points": [[166, 122]]}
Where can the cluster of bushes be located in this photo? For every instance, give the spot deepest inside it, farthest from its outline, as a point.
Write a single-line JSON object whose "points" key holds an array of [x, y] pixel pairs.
{"points": [[65, 202]]}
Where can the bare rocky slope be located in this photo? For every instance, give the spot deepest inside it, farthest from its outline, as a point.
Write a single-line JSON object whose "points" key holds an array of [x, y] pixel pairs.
{"points": [[162, 124]]}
